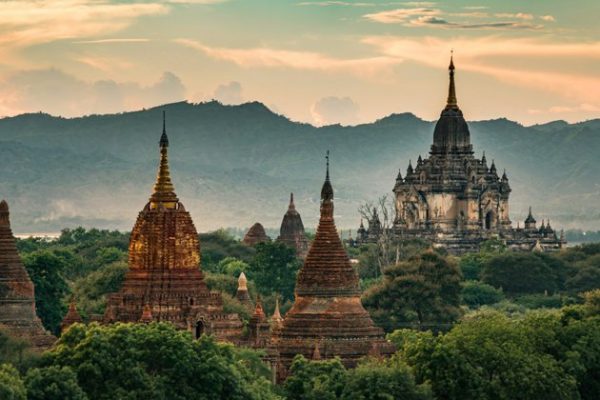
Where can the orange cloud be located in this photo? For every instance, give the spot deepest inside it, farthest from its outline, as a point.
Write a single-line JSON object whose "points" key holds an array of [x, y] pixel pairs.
{"points": [[301, 60], [482, 55]]}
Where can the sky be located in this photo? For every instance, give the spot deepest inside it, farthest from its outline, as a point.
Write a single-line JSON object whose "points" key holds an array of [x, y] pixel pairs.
{"points": [[320, 62]]}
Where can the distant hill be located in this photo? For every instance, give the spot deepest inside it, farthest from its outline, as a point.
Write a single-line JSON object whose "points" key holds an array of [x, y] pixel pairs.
{"points": [[235, 165]]}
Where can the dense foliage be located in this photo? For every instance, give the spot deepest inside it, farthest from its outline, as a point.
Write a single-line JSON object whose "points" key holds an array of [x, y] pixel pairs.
{"points": [[153, 361], [489, 325], [423, 291]]}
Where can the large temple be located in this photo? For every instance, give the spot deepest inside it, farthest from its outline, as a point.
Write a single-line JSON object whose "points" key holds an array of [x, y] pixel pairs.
{"points": [[17, 294], [164, 281], [454, 199], [327, 317]]}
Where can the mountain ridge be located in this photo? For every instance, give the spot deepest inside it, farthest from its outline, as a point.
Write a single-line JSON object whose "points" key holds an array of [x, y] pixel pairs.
{"points": [[235, 165]]}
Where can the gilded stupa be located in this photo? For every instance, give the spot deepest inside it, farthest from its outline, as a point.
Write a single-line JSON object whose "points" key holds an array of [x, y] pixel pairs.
{"points": [[164, 281]]}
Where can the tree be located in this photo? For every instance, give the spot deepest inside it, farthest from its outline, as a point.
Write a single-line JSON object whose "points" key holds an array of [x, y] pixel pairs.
{"points": [[11, 385], [46, 271], [424, 291], [274, 269], [53, 383], [220, 244], [471, 265], [91, 291], [489, 356], [519, 273], [315, 380], [156, 361], [232, 266], [475, 294], [16, 351], [375, 379]]}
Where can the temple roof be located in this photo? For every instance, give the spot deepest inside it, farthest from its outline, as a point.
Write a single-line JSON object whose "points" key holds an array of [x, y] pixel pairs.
{"points": [[256, 234], [530, 219], [451, 132], [72, 316], [291, 224]]}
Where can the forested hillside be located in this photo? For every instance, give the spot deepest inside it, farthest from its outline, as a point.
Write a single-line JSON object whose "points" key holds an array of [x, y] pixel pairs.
{"points": [[234, 165]]}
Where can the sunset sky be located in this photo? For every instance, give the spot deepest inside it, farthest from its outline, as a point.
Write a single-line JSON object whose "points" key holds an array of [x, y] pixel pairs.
{"points": [[315, 61]]}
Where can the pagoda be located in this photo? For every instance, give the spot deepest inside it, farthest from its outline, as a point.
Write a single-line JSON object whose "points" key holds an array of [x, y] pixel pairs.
{"points": [[17, 294], [327, 309], [292, 232], [164, 281]]}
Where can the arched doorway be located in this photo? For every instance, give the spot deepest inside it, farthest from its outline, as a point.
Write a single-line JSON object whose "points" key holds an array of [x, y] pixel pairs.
{"points": [[199, 329], [489, 220]]}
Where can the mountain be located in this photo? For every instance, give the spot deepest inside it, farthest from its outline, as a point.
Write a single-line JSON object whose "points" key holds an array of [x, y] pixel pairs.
{"points": [[235, 165]]}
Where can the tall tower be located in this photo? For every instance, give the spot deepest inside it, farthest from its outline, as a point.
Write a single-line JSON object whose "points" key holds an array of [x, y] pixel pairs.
{"points": [[164, 280], [327, 307], [17, 294]]}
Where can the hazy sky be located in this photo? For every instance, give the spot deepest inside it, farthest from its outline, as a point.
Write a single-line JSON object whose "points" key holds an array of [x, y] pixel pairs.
{"points": [[315, 61]]}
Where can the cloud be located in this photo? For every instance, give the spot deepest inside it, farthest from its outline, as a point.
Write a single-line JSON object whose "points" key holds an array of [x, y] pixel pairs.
{"points": [[301, 60], [229, 93], [58, 93], [335, 3], [334, 110], [433, 17], [548, 18], [585, 107], [492, 56], [400, 15], [28, 22], [115, 40], [515, 15]]}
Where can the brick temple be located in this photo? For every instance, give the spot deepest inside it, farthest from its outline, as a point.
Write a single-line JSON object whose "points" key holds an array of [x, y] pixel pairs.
{"points": [[17, 294], [292, 232], [164, 281], [327, 317]]}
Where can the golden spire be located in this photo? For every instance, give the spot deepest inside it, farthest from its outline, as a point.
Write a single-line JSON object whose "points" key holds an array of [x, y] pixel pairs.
{"points": [[452, 103], [164, 192]]}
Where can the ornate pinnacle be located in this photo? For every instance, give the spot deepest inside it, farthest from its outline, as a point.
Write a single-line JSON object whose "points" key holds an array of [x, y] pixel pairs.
{"points": [[164, 191], [452, 102], [327, 190]]}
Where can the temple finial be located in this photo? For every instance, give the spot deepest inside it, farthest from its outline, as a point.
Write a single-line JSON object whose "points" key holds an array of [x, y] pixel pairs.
{"points": [[164, 140], [327, 190], [327, 158], [164, 191], [292, 205], [452, 102]]}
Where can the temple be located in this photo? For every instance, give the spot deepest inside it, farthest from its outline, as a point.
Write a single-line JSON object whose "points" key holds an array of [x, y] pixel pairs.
{"points": [[17, 295], [164, 281], [255, 235], [292, 232], [455, 200], [327, 310]]}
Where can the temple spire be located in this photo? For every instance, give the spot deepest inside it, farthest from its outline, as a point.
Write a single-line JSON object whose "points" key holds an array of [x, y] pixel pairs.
{"points": [[292, 206], [327, 190], [164, 191], [4, 214], [452, 102]]}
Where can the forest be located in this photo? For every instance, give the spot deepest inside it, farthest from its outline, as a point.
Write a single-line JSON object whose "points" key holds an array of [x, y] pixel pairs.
{"points": [[489, 325]]}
